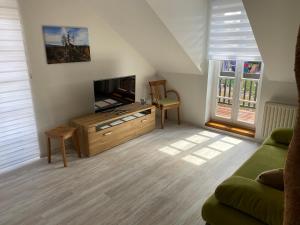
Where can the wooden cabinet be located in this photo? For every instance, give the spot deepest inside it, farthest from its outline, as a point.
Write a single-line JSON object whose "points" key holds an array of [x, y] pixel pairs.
{"points": [[102, 131]]}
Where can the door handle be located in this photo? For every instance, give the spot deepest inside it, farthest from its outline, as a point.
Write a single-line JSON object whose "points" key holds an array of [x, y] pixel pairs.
{"points": [[107, 133]]}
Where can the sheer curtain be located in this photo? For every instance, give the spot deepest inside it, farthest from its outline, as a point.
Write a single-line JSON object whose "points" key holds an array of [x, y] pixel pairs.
{"points": [[18, 134], [231, 35]]}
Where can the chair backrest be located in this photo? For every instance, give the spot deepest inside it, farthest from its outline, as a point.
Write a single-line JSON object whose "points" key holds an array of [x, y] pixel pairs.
{"points": [[158, 90]]}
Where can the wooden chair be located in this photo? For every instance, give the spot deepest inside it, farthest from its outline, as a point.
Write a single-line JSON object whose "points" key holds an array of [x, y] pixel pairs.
{"points": [[162, 101], [63, 133]]}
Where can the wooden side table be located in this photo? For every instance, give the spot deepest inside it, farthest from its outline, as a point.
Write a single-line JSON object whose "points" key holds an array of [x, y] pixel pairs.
{"points": [[63, 133]]}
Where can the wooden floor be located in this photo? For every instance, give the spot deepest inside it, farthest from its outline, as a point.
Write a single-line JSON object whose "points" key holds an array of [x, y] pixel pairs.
{"points": [[160, 178]]}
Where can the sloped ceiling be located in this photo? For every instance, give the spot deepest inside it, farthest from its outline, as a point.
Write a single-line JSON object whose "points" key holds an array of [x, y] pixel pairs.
{"points": [[275, 25], [187, 21], [140, 26]]}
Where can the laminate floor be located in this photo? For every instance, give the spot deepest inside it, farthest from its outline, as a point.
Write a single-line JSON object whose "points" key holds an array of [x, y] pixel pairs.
{"points": [[161, 178]]}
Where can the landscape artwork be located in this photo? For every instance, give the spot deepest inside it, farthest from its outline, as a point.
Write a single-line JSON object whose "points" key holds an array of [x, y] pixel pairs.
{"points": [[66, 44]]}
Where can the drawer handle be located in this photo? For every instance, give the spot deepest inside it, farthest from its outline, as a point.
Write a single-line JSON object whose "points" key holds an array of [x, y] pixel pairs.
{"points": [[108, 133], [144, 120]]}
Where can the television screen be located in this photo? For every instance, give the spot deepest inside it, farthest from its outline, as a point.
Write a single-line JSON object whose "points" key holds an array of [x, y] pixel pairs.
{"points": [[111, 93]]}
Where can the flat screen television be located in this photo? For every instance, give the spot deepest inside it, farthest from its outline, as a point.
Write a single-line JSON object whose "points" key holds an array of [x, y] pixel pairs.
{"points": [[115, 92]]}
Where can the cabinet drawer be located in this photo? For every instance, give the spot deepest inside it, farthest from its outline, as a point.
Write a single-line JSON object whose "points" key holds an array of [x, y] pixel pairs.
{"points": [[108, 138], [145, 124], [108, 134], [94, 142], [145, 121]]}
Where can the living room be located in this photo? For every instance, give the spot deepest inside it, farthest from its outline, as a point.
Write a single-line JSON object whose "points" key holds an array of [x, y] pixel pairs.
{"points": [[164, 171]]}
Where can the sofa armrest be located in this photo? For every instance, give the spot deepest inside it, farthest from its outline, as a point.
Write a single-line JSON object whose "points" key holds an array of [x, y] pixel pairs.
{"points": [[257, 200], [280, 137]]}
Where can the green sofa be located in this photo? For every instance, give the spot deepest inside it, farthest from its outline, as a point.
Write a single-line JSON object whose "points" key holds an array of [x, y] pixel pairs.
{"points": [[241, 200]]}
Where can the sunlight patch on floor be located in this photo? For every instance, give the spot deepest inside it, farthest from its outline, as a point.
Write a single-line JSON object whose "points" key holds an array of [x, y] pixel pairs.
{"points": [[207, 153], [183, 145], [221, 146], [209, 134], [231, 140], [170, 151], [198, 139], [194, 150], [194, 160]]}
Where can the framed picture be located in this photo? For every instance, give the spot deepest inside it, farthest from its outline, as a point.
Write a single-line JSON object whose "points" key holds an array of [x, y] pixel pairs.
{"points": [[66, 44]]}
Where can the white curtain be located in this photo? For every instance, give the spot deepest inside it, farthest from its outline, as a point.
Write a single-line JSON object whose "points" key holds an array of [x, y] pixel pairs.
{"points": [[231, 35], [18, 134]]}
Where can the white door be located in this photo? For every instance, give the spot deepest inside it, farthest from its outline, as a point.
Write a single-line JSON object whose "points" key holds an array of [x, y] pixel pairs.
{"points": [[236, 90]]}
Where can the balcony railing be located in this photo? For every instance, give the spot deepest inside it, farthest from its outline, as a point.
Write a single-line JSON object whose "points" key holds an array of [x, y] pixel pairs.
{"points": [[247, 95]]}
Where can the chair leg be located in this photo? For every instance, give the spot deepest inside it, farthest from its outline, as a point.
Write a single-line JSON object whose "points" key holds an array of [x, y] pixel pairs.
{"points": [[178, 115], [162, 117], [63, 152], [166, 114], [49, 149], [76, 144]]}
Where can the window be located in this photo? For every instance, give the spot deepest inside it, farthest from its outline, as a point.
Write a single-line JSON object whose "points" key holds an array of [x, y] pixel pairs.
{"points": [[234, 55], [236, 91], [231, 35], [18, 135]]}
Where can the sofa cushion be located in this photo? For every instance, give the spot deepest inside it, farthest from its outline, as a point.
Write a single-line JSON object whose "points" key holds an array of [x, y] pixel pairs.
{"points": [[280, 137], [267, 157], [215, 213], [255, 199], [168, 101], [272, 178]]}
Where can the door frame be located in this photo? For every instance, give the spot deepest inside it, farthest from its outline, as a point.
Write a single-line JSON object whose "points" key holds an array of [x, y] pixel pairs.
{"points": [[216, 69]]}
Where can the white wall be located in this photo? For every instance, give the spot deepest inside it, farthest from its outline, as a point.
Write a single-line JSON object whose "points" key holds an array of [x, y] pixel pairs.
{"points": [[64, 91], [187, 21], [275, 24], [140, 26], [192, 90], [177, 55]]}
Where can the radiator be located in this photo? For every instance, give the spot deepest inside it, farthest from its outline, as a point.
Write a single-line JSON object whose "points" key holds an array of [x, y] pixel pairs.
{"points": [[278, 115]]}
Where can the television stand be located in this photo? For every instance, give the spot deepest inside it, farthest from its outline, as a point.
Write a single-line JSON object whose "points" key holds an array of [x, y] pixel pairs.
{"points": [[120, 111], [101, 131]]}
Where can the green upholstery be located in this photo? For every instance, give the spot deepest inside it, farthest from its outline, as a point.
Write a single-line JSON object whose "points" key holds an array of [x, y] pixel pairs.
{"points": [[167, 101], [219, 214], [280, 137], [255, 199], [267, 157], [242, 200]]}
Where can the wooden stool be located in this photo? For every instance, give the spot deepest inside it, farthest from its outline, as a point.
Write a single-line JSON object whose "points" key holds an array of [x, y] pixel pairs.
{"points": [[63, 133]]}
